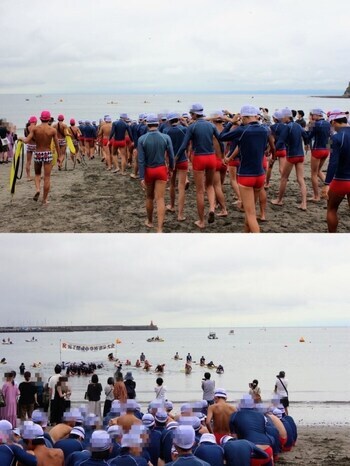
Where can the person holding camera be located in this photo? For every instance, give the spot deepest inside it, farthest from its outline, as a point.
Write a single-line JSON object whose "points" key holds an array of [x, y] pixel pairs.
{"points": [[254, 391], [208, 387]]}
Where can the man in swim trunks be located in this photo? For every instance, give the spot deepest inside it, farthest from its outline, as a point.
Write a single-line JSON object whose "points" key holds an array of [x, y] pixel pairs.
{"points": [[30, 147], [75, 134], [319, 134], [338, 174], [33, 437], [201, 133], [104, 133], [61, 129], [219, 413], [43, 135], [153, 150]]}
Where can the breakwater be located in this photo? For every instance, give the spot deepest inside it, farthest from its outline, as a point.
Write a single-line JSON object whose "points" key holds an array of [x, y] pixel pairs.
{"points": [[77, 328]]}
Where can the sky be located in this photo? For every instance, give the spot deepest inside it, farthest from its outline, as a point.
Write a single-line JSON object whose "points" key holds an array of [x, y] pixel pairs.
{"points": [[84, 46], [175, 280]]}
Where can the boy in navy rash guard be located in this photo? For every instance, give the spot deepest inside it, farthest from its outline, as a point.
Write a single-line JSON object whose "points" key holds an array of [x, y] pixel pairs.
{"points": [[292, 136], [201, 134], [152, 148], [338, 173], [319, 136], [120, 129]]}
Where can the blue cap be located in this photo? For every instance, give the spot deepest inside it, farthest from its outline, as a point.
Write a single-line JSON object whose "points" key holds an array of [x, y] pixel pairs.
{"points": [[249, 111], [173, 116], [124, 116], [317, 111]]}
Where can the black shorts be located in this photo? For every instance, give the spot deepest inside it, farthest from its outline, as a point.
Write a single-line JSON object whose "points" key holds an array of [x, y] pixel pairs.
{"points": [[285, 402]]}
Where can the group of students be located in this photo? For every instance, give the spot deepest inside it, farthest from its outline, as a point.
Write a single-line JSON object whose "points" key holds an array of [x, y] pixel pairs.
{"points": [[162, 148], [249, 434]]}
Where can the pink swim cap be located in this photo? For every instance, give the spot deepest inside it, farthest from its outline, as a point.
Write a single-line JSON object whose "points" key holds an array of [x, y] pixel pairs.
{"points": [[60, 118], [72, 121], [45, 115], [33, 119]]}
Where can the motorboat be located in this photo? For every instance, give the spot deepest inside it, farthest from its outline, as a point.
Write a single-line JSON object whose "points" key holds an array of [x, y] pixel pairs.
{"points": [[212, 336], [231, 332]]}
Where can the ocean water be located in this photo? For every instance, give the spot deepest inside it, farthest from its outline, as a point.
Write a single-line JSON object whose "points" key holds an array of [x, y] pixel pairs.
{"points": [[17, 108], [318, 370]]}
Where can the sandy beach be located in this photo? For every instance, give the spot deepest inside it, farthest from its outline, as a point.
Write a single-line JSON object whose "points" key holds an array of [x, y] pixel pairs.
{"points": [[320, 445], [91, 199]]}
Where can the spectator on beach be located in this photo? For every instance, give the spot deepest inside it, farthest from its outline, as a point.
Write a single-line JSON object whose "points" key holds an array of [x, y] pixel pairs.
{"points": [[254, 391], [119, 390], [130, 386], [300, 120], [28, 397], [281, 389], [208, 387], [94, 391], [4, 142], [109, 392], [10, 393], [160, 389]]}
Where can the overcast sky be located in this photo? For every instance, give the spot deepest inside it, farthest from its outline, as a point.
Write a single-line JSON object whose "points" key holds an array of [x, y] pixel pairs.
{"points": [[186, 45], [177, 280]]}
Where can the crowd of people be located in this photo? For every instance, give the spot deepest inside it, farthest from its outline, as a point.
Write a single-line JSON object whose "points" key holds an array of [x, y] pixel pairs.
{"points": [[209, 431], [158, 149]]}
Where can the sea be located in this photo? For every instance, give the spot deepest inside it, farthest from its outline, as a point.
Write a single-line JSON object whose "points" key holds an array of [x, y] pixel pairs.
{"points": [[318, 369], [17, 108]]}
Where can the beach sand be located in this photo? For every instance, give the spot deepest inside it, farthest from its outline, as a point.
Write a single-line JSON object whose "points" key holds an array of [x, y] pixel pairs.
{"points": [[87, 200], [321, 446]]}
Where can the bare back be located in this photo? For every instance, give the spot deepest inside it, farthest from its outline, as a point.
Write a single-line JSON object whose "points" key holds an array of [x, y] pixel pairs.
{"points": [[49, 456], [43, 135], [105, 130], [127, 421], [220, 414]]}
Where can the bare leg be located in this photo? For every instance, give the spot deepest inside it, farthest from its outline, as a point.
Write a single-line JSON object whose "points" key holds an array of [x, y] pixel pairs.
{"points": [[249, 196], [209, 186], [124, 160], [283, 184], [263, 203], [47, 177], [321, 175], [149, 204], [37, 179], [332, 211], [219, 194], [28, 164], [315, 168], [182, 178], [282, 163], [199, 183], [299, 168], [234, 184], [171, 207], [159, 193]]}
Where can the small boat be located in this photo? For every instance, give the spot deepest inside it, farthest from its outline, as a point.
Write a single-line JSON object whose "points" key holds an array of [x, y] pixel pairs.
{"points": [[33, 340], [212, 336], [231, 332], [155, 340], [302, 340]]}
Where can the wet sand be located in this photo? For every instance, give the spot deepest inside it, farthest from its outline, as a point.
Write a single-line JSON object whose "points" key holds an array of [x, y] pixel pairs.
{"points": [[321, 446], [91, 199]]}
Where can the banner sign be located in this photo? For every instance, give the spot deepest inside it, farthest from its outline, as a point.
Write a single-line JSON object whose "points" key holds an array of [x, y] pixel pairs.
{"points": [[82, 347]]}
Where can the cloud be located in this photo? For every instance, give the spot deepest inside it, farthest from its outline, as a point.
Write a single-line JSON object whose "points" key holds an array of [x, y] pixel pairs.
{"points": [[186, 46], [187, 280]]}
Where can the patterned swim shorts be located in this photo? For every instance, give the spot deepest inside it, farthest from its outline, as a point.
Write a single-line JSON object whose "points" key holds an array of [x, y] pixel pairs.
{"points": [[62, 142], [31, 147], [43, 157]]}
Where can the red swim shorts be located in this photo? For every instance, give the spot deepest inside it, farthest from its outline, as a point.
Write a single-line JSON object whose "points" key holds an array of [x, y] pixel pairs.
{"points": [[105, 141], [182, 165], [153, 174], [121, 143], [320, 154], [219, 164], [340, 188], [127, 140], [90, 141], [281, 153], [262, 461], [256, 182], [265, 162], [295, 160], [234, 163], [204, 162]]}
